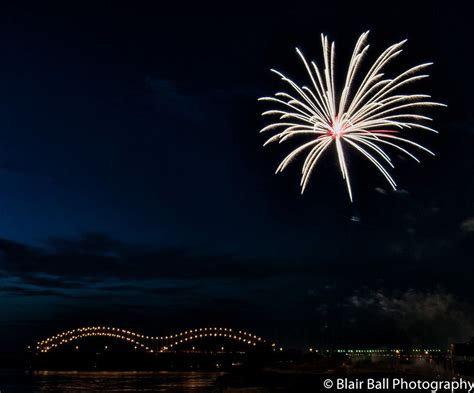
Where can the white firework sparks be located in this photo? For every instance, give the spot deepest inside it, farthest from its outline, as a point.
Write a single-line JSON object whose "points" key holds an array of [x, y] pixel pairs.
{"points": [[365, 117]]}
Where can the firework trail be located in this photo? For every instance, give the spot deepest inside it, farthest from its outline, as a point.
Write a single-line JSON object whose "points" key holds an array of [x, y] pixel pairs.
{"points": [[365, 116]]}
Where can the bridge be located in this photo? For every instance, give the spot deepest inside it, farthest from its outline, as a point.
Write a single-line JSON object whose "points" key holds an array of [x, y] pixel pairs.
{"points": [[151, 344]]}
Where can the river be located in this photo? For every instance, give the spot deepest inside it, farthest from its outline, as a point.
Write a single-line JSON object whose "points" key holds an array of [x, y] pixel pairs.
{"points": [[16, 381]]}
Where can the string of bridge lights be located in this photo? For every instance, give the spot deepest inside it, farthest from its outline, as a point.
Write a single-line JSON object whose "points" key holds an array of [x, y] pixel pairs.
{"points": [[151, 343], [146, 342]]}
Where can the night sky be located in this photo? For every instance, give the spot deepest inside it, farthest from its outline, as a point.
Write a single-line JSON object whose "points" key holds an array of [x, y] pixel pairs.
{"points": [[135, 190]]}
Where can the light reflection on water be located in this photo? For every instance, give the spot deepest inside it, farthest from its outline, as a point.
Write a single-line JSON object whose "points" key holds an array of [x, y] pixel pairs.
{"points": [[107, 381]]}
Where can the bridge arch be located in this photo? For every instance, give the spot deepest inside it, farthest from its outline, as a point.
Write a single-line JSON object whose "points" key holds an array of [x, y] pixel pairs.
{"points": [[184, 337], [68, 336], [149, 343]]}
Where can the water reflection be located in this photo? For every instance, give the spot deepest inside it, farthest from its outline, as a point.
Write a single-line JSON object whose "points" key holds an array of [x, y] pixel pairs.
{"points": [[110, 381]]}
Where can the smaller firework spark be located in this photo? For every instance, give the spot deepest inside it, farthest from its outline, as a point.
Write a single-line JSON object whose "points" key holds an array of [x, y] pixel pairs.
{"points": [[364, 116]]}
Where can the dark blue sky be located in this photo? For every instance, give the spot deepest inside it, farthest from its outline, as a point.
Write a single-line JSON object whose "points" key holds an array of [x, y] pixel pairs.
{"points": [[134, 185]]}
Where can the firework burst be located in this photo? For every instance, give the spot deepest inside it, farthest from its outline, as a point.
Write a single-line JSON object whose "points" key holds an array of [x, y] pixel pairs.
{"points": [[365, 116]]}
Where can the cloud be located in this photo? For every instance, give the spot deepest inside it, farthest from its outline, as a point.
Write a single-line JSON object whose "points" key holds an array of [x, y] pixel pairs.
{"points": [[95, 265], [18, 290], [172, 291], [87, 243], [74, 262], [422, 317], [95, 271], [42, 280], [468, 225], [120, 288]]}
